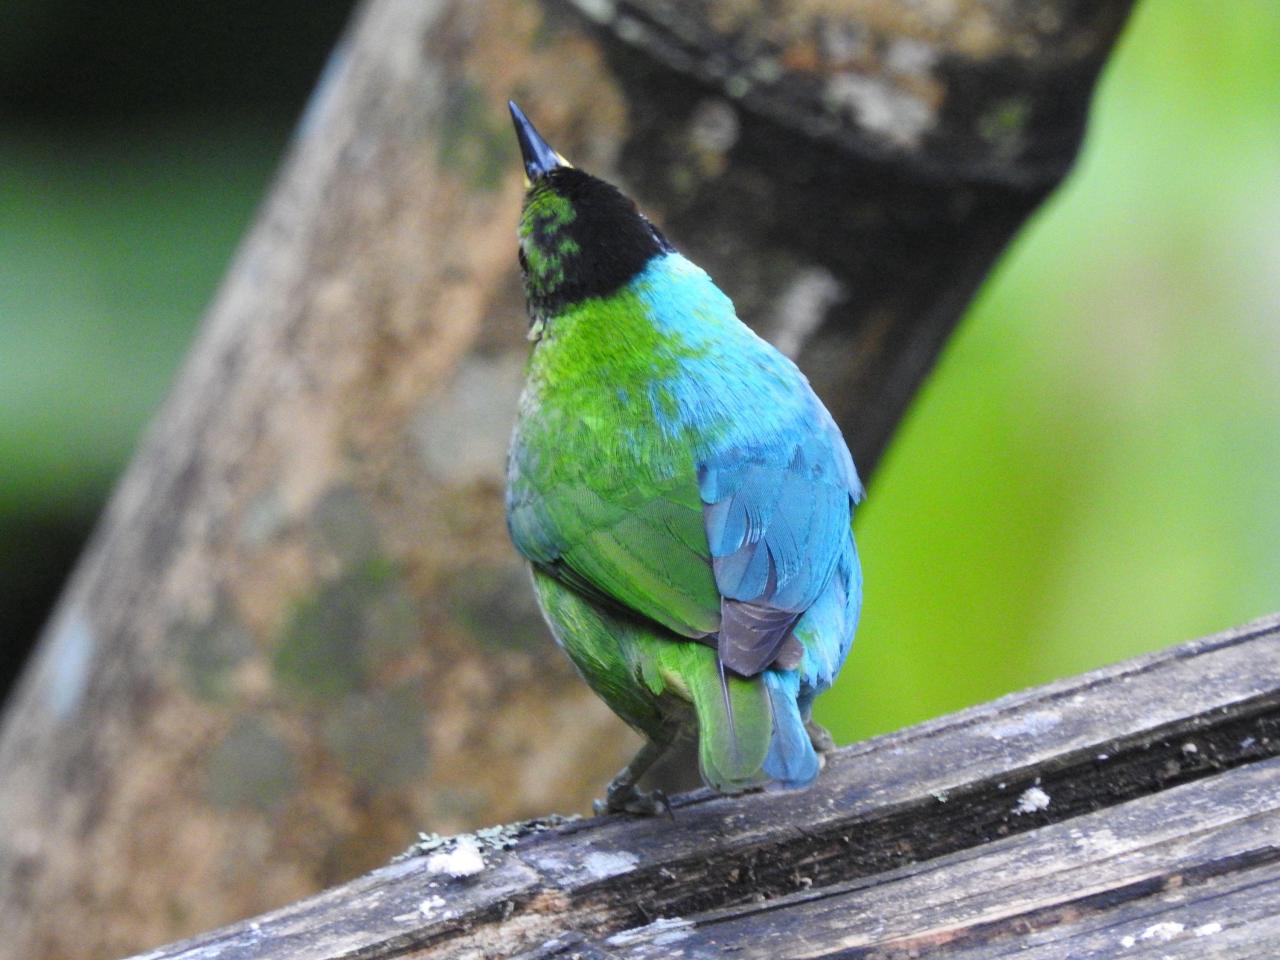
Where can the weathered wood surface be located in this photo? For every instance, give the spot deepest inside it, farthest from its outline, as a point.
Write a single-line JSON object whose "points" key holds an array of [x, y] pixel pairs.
{"points": [[1133, 811], [300, 633]]}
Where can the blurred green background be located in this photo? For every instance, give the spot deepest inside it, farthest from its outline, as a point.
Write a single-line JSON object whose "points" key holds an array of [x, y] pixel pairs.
{"points": [[1093, 471], [135, 142]]}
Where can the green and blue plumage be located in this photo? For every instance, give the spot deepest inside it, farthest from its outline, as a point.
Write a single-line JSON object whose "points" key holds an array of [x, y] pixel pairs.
{"points": [[683, 497]]}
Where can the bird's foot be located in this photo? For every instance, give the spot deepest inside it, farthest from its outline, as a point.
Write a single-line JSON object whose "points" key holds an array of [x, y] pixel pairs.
{"points": [[625, 798], [819, 737]]}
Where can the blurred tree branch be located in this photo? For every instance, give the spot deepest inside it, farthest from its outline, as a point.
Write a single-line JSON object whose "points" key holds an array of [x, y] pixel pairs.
{"points": [[299, 635]]}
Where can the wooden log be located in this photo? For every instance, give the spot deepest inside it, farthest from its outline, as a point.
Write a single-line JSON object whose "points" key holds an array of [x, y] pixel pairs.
{"points": [[299, 633], [1133, 811]]}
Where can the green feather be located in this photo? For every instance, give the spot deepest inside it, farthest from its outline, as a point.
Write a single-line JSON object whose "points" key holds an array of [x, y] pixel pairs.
{"points": [[734, 720], [636, 537], [613, 653], [650, 678]]}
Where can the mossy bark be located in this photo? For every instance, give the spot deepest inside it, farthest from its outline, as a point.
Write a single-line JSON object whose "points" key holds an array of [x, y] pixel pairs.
{"points": [[300, 635]]}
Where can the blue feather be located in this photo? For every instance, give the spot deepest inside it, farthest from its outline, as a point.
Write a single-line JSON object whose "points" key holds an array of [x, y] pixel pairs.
{"points": [[791, 760], [825, 630]]}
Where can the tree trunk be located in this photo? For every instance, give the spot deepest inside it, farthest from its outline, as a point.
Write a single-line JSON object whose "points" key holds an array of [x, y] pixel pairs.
{"points": [[299, 634]]}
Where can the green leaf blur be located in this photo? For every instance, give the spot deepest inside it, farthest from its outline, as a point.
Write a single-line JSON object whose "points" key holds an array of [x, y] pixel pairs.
{"points": [[113, 243]]}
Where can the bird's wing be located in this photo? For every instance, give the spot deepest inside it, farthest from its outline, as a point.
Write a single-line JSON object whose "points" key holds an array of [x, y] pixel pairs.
{"points": [[777, 510], [741, 550], [642, 548]]}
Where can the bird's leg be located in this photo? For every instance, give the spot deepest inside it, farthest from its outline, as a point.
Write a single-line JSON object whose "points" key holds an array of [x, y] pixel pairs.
{"points": [[820, 737], [622, 795]]}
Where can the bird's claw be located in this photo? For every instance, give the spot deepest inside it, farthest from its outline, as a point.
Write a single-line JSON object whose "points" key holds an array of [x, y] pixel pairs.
{"points": [[820, 737], [627, 799]]}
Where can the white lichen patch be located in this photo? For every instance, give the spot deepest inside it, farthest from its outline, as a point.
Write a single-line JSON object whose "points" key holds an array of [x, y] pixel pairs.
{"points": [[601, 11], [672, 932], [487, 840], [1030, 724], [1099, 844], [1031, 800], [766, 70], [909, 56], [630, 30], [430, 905], [714, 127], [1162, 932], [464, 860], [549, 863], [842, 41], [661, 932], [66, 671], [601, 863], [1208, 929], [887, 111], [801, 308]]}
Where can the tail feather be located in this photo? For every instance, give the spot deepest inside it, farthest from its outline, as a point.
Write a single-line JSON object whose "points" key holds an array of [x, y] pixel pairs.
{"points": [[791, 760], [734, 723], [750, 731]]}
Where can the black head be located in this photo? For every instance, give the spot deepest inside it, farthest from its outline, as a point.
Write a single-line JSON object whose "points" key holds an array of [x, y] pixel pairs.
{"points": [[579, 236]]}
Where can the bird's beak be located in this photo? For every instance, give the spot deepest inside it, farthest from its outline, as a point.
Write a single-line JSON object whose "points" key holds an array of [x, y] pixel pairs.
{"points": [[539, 158]]}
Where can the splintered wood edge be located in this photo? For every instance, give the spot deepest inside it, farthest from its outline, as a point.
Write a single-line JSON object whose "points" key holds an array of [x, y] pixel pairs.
{"points": [[956, 786]]}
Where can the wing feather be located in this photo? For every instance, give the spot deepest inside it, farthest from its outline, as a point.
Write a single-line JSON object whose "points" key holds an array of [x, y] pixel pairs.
{"points": [[777, 515], [644, 549]]}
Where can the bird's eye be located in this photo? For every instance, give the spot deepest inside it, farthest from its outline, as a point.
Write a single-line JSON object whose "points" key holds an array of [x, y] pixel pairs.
{"points": [[524, 264]]}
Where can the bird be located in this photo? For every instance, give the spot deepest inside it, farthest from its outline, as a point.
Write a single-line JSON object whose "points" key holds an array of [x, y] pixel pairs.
{"points": [[682, 497]]}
